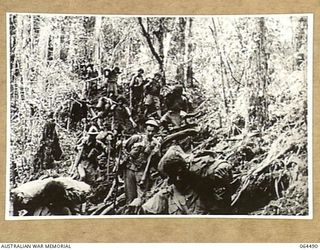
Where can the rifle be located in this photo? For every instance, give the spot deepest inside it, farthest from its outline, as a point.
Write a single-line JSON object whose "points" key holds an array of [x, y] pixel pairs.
{"points": [[93, 79], [76, 162], [68, 123], [115, 182], [130, 99], [179, 136], [108, 161], [146, 170], [116, 171]]}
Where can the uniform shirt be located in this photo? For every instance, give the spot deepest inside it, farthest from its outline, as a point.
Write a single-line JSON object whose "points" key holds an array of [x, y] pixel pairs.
{"points": [[176, 103], [211, 177], [171, 201], [50, 143], [139, 148], [49, 131], [93, 74], [91, 149], [153, 88], [113, 77], [137, 85], [121, 113]]}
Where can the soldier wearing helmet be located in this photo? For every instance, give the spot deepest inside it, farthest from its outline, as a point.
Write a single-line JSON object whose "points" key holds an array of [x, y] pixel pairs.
{"points": [[119, 112], [139, 148], [196, 184], [89, 149]]}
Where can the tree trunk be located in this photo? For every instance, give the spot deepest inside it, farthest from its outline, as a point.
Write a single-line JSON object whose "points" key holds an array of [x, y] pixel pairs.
{"points": [[128, 56], [300, 41], [97, 30], [159, 55], [44, 40], [180, 77], [160, 37], [190, 50], [89, 26], [57, 39], [13, 58], [25, 54], [257, 101], [71, 48], [222, 65]]}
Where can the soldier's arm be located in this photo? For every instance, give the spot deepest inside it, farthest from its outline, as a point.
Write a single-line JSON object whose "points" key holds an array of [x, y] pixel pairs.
{"points": [[80, 143], [158, 204], [130, 117], [107, 73], [147, 84], [132, 140], [153, 147], [222, 175], [140, 83], [133, 79], [103, 148], [223, 170]]}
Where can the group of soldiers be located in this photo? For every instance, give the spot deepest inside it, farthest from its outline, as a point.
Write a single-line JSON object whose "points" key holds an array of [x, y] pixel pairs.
{"points": [[123, 108], [191, 184]]}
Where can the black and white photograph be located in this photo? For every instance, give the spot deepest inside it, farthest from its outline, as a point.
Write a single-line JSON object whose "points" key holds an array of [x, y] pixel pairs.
{"points": [[159, 116]]}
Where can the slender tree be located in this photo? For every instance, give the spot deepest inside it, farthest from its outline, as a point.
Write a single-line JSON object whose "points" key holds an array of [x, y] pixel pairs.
{"points": [[190, 49], [158, 32], [181, 42]]}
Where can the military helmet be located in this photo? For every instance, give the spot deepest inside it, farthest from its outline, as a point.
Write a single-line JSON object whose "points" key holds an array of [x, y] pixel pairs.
{"points": [[172, 159], [178, 89], [50, 114], [93, 130], [117, 70], [122, 99], [152, 122]]}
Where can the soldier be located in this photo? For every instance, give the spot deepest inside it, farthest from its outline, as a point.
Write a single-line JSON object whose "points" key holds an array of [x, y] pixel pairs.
{"points": [[136, 90], [88, 152], [152, 96], [91, 81], [119, 112], [142, 151], [199, 185], [49, 149], [83, 71], [78, 110], [112, 80], [103, 106], [177, 107], [120, 116]]}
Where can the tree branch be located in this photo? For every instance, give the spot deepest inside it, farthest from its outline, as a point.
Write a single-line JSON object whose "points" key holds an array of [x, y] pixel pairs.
{"points": [[148, 38], [225, 62], [231, 72]]}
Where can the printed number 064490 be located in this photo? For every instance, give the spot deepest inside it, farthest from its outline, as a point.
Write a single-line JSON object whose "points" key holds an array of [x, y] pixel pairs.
{"points": [[312, 246]]}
